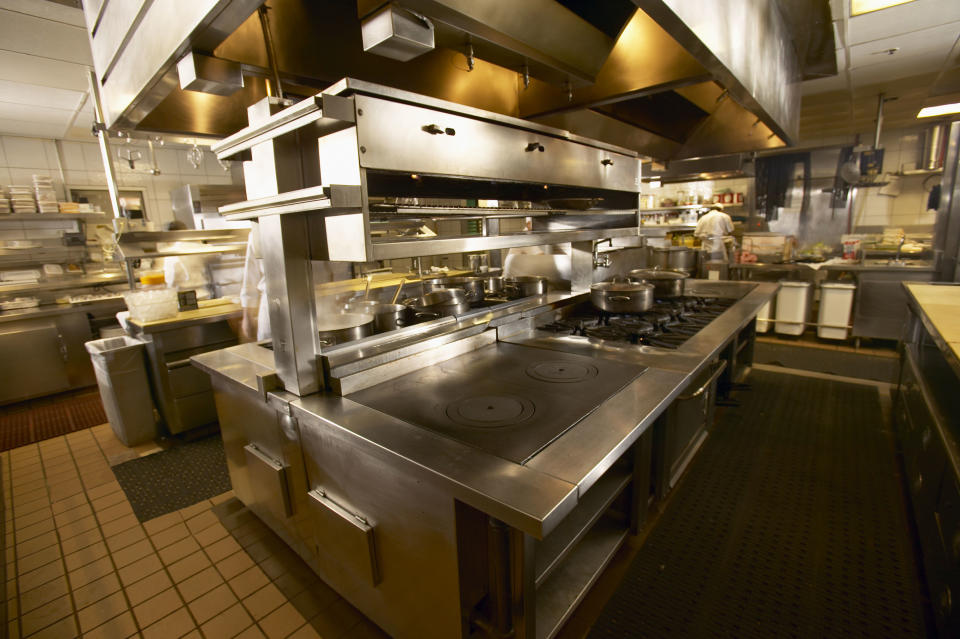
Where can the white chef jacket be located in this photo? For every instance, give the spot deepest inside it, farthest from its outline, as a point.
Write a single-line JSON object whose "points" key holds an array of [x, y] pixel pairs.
{"points": [[254, 284], [187, 272], [711, 228]]}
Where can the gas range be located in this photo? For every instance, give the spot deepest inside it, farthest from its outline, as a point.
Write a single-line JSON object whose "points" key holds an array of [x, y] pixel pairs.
{"points": [[668, 324]]}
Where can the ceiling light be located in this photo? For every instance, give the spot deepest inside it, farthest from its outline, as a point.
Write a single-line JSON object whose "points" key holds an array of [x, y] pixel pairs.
{"points": [[943, 109], [859, 7]]}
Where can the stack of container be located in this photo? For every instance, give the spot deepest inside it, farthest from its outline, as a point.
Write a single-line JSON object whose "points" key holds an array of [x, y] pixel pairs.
{"points": [[5, 207], [22, 199], [46, 197]]}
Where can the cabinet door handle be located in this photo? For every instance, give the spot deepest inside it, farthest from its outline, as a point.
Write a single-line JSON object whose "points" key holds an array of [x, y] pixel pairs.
{"points": [[713, 376], [63, 347], [534, 146], [606, 162], [433, 129]]}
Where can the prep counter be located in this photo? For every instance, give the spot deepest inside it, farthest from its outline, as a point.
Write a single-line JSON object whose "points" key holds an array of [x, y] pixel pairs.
{"points": [[364, 496], [183, 394]]}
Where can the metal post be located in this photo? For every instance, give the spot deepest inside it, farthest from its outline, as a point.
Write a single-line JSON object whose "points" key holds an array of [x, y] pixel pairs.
{"points": [[876, 135], [100, 129], [271, 51]]}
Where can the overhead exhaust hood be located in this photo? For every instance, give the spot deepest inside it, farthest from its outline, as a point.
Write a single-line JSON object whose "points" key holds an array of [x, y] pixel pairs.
{"points": [[668, 78], [720, 167]]}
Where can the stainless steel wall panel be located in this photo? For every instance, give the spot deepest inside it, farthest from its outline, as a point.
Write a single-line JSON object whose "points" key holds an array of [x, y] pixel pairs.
{"points": [[401, 137]]}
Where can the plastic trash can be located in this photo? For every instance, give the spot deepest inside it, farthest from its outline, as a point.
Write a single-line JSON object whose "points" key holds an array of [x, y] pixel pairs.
{"points": [[836, 300], [793, 303], [763, 318], [120, 366]]}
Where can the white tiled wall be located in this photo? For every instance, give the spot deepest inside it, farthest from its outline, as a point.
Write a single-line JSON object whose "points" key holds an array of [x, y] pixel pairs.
{"points": [[22, 158], [902, 151]]}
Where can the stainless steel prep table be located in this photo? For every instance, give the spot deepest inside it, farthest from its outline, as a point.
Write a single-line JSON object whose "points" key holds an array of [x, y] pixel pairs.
{"points": [[182, 393], [880, 307]]}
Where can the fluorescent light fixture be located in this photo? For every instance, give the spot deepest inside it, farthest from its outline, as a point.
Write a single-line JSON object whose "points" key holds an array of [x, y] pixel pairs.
{"points": [[943, 109], [859, 7]]}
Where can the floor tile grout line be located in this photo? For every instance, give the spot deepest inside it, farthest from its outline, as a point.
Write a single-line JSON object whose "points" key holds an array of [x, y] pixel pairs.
{"points": [[99, 528]]}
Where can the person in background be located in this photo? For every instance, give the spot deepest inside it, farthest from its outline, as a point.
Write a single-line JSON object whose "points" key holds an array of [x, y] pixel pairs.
{"points": [[713, 229], [186, 272], [255, 324]]}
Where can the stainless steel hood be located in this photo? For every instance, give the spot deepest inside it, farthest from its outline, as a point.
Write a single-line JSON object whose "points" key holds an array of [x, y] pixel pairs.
{"points": [[667, 78]]}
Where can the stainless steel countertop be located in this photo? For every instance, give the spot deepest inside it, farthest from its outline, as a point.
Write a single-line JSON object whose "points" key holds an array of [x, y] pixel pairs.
{"points": [[536, 496], [882, 265], [52, 310]]}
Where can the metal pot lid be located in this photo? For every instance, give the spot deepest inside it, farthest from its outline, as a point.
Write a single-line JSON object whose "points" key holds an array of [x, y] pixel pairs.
{"points": [[340, 321], [654, 274], [621, 287]]}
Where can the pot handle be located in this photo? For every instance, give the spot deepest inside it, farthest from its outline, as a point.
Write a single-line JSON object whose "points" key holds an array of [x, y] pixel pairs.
{"points": [[619, 298], [427, 315]]}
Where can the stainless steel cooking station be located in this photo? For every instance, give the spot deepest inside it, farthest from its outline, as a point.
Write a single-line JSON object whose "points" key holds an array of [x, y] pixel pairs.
{"points": [[472, 474]]}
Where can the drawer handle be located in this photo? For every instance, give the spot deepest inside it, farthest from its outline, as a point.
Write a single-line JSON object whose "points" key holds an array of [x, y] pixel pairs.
{"points": [[432, 129], [713, 376], [534, 146], [606, 162]]}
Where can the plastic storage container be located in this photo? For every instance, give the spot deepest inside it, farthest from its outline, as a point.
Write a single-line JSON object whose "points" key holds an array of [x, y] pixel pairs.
{"points": [[122, 377], [793, 303], [150, 305], [763, 318], [836, 300]]}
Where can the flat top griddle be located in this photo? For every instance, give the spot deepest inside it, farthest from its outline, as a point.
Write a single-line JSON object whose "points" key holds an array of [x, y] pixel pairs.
{"points": [[508, 400]]}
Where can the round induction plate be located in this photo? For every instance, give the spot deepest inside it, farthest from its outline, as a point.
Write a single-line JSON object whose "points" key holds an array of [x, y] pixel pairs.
{"points": [[490, 411], [562, 372]]}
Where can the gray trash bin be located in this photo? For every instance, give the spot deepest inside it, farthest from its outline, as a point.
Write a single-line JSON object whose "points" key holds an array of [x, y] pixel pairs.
{"points": [[122, 377]]}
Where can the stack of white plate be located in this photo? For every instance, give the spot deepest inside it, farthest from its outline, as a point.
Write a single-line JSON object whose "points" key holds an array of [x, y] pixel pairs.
{"points": [[22, 199], [46, 196]]}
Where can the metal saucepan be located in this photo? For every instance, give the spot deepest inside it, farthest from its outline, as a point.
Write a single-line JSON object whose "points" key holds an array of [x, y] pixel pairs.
{"points": [[386, 317], [620, 297], [676, 258], [525, 286], [472, 286], [665, 283], [493, 284], [439, 297], [336, 328]]}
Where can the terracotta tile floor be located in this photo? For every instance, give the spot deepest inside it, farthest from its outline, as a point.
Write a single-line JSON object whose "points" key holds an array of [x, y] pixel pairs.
{"points": [[78, 563]]}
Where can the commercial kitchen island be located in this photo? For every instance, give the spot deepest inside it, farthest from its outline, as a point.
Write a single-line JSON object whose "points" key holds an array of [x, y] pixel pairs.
{"points": [[927, 415], [475, 473]]}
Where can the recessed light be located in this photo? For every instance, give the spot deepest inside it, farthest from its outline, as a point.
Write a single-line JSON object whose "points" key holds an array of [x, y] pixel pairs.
{"points": [[943, 109], [859, 7]]}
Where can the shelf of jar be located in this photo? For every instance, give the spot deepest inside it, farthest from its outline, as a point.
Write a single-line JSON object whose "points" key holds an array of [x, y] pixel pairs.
{"points": [[687, 207]]}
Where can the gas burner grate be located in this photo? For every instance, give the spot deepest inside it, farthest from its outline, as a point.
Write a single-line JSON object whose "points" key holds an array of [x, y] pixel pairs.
{"points": [[668, 324]]}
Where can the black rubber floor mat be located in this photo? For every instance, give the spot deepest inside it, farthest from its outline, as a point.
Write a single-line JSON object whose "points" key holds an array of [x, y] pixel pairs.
{"points": [[176, 478], [789, 523], [39, 419]]}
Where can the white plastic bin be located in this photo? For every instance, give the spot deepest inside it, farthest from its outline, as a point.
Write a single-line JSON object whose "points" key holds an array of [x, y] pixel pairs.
{"points": [[836, 300], [793, 304], [763, 318], [122, 377]]}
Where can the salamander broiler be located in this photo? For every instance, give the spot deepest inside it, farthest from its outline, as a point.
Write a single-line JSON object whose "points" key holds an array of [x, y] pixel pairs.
{"points": [[470, 474]]}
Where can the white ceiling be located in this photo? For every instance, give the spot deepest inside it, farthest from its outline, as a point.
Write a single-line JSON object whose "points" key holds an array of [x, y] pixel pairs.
{"points": [[924, 36], [44, 57]]}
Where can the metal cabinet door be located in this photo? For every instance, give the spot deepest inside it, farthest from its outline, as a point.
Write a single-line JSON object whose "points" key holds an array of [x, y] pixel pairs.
{"points": [[34, 356]]}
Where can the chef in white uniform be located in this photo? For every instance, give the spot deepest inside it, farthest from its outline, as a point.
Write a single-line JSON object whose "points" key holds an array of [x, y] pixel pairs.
{"points": [[714, 229], [255, 324]]}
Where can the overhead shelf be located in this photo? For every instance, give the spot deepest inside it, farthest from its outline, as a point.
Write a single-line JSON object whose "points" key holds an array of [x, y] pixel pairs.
{"points": [[56, 216], [64, 282], [415, 247]]}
